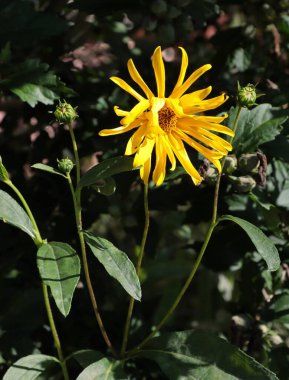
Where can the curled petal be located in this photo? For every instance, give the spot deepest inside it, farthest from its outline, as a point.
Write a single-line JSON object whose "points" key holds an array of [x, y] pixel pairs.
{"points": [[182, 155], [144, 152], [126, 87], [195, 97], [138, 79], [135, 112], [120, 112], [119, 130], [184, 66], [135, 141], [161, 159], [159, 69], [177, 93]]}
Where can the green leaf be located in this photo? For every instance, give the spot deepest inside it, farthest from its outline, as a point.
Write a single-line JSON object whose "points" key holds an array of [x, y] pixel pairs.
{"points": [[105, 186], [255, 127], [86, 357], [12, 213], [30, 367], [201, 355], [106, 169], [240, 60], [33, 82], [264, 245], [47, 168], [279, 307], [103, 369], [59, 268], [116, 263]]}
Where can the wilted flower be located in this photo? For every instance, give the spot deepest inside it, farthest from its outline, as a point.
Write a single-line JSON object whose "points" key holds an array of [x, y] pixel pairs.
{"points": [[165, 123]]}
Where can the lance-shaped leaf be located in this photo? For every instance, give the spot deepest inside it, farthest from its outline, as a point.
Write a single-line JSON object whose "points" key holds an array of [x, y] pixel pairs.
{"points": [[106, 169], [86, 357], [116, 263], [59, 268], [47, 168], [11, 212], [263, 244], [103, 369], [30, 367], [199, 355]]}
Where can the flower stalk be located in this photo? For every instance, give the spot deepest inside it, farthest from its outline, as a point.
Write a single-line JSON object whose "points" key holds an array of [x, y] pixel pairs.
{"points": [[76, 197], [38, 242], [138, 267], [213, 224]]}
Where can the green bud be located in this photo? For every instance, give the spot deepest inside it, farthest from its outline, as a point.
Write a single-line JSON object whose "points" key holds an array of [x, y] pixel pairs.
{"points": [[4, 176], [230, 164], [243, 184], [65, 165], [246, 96], [65, 113], [249, 163]]}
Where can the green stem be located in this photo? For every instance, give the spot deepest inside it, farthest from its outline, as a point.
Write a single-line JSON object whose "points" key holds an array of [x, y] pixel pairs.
{"points": [[212, 226], [138, 266], [76, 196], [54, 332], [218, 182], [38, 242]]}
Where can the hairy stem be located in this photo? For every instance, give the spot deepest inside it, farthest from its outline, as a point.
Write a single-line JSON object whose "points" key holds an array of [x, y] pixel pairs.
{"points": [[138, 266], [76, 196]]}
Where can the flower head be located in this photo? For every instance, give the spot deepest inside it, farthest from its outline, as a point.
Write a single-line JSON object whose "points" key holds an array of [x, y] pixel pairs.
{"points": [[246, 96], [65, 113], [164, 124]]}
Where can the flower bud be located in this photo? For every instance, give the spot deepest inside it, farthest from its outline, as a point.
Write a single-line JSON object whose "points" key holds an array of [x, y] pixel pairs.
{"points": [[243, 184], [246, 96], [4, 176], [230, 164], [249, 163], [65, 113], [65, 165]]}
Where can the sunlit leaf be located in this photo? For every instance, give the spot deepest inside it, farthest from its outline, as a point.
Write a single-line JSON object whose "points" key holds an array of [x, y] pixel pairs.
{"points": [[59, 268]]}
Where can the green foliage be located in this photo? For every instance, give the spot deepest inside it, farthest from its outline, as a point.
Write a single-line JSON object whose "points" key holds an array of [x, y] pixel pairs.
{"points": [[103, 369], [59, 268], [202, 355], [264, 246], [30, 367], [47, 168], [106, 169], [12, 213], [255, 127], [116, 263]]}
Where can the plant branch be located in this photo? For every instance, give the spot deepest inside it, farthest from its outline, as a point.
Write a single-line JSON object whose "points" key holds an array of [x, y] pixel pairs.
{"points": [[76, 196], [138, 266]]}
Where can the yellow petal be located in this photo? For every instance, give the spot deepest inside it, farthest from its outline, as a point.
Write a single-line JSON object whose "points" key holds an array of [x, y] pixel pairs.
{"points": [[214, 143], [182, 155], [195, 97], [126, 87], [169, 151], [135, 112], [212, 119], [153, 117], [183, 70], [138, 79], [192, 78], [119, 130], [119, 112], [197, 122], [145, 171], [209, 154], [144, 152], [159, 69], [135, 141], [160, 168]]}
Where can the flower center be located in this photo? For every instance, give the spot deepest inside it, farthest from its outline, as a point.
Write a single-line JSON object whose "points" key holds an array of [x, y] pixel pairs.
{"points": [[167, 119]]}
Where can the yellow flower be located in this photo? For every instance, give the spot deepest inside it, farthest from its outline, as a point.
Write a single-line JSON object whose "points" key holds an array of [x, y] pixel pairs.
{"points": [[165, 123]]}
